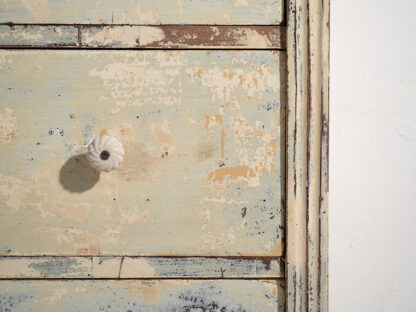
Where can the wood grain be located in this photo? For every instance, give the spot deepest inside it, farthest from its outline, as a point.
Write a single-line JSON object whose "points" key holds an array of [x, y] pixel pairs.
{"points": [[142, 37], [146, 296], [138, 267], [203, 166], [145, 12], [307, 157], [184, 37], [38, 36]]}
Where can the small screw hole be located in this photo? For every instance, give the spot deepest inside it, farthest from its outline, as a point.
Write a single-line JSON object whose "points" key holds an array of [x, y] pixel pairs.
{"points": [[104, 155]]}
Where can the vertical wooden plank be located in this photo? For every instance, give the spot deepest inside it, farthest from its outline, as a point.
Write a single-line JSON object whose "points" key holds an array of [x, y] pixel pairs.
{"points": [[307, 155], [297, 87], [323, 213]]}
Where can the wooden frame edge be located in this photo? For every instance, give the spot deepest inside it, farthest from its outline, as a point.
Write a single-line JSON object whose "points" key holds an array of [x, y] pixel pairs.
{"points": [[307, 155]]}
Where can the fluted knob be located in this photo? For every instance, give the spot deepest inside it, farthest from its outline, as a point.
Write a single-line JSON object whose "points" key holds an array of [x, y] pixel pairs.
{"points": [[105, 153]]}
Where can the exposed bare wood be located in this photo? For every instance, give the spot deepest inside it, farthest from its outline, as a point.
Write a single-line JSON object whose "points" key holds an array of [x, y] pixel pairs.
{"points": [[184, 37], [307, 155], [143, 37], [138, 267]]}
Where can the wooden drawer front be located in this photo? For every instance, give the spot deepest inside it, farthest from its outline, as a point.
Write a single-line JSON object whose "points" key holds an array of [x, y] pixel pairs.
{"points": [[144, 296], [229, 12], [203, 165]]}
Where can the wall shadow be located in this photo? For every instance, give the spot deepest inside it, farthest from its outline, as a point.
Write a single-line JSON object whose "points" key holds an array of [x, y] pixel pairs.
{"points": [[76, 175]]}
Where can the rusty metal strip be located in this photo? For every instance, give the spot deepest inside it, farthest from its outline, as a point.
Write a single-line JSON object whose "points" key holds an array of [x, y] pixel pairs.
{"points": [[308, 41], [142, 37], [118, 267]]}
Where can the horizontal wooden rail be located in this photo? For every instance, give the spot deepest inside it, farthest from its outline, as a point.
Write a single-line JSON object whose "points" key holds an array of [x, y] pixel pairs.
{"points": [[141, 37], [138, 267]]}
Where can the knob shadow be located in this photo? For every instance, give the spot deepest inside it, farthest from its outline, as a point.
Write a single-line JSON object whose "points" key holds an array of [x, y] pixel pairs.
{"points": [[77, 176]]}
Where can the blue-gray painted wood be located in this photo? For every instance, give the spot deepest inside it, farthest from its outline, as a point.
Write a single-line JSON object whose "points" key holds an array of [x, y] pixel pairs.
{"points": [[155, 12], [139, 267], [36, 35], [143, 296]]}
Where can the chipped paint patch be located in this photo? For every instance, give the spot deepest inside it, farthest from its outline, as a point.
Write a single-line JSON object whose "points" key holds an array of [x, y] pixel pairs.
{"points": [[132, 36], [137, 267], [252, 38], [213, 120], [8, 126]]}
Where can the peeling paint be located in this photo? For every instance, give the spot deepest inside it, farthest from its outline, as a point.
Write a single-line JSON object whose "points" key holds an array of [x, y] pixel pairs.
{"points": [[8, 126], [211, 159]]}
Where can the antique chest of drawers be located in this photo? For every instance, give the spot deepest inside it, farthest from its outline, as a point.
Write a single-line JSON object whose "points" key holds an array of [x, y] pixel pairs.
{"points": [[218, 110]]}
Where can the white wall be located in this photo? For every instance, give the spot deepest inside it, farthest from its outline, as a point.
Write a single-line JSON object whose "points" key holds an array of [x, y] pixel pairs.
{"points": [[373, 156]]}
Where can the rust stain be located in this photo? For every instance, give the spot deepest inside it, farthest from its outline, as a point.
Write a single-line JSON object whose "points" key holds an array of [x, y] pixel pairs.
{"points": [[260, 71]]}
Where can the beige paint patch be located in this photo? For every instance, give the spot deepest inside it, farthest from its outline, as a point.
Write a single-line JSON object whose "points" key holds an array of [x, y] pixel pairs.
{"points": [[148, 290], [73, 211], [83, 239], [8, 126], [162, 132], [240, 3], [145, 16], [38, 8], [134, 83], [150, 34], [136, 267], [251, 38], [54, 297], [124, 36], [14, 190], [134, 217], [223, 83], [108, 267]]}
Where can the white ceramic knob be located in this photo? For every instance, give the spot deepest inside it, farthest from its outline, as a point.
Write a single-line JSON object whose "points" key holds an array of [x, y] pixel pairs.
{"points": [[105, 153]]}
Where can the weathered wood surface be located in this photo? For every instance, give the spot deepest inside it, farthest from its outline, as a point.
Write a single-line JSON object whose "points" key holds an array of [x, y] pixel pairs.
{"points": [[38, 36], [138, 267], [307, 158], [202, 135], [143, 296], [184, 37], [143, 37], [229, 12]]}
